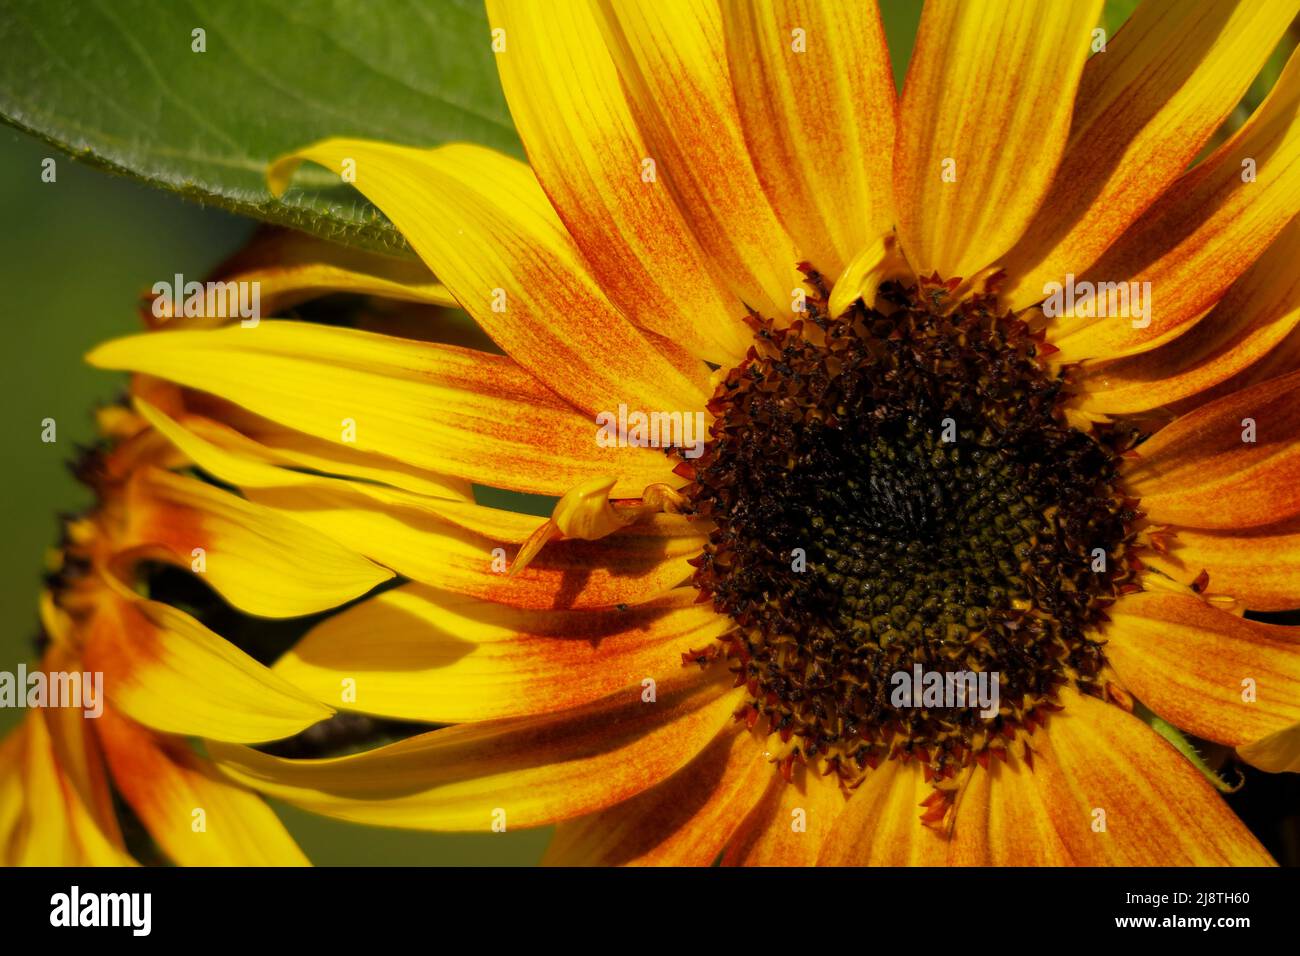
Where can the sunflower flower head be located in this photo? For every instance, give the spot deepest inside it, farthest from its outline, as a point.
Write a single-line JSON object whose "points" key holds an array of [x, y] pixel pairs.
{"points": [[926, 468], [990, 547]]}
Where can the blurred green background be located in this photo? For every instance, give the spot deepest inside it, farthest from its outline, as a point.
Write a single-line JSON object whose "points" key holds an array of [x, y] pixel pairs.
{"points": [[75, 256]]}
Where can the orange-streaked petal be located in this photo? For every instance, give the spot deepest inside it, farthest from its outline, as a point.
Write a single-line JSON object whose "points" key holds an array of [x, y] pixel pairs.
{"points": [[468, 551], [791, 823], [520, 772], [575, 121], [481, 222], [819, 108], [196, 816], [1283, 359], [1004, 816], [1210, 226], [167, 671], [1146, 107], [1159, 810], [1202, 472], [1103, 789], [416, 653], [1257, 313], [685, 821], [257, 559], [1209, 672], [444, 408], [58, 828], [881, 824], [13, 758], [75, 748], [1094, 765], [263, 440], [1000, 816], [988, 98], [672, 60], [224, 424], [292, 267], [1259, 567]]}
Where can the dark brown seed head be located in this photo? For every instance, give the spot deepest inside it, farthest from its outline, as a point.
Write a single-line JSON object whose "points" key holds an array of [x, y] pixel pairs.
{"points": [[896, 487]]}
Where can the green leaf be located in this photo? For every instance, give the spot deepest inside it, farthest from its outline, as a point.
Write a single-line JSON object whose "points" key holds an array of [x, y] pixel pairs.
{"points": [[1114, 14], [118, 84]]}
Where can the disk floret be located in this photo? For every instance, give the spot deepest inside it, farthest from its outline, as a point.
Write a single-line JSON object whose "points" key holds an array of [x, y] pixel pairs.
{"points": [[898, 487]]}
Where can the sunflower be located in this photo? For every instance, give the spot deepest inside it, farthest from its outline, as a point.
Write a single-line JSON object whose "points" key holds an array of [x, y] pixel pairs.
{"points": [[997, 384], [56, 803]]}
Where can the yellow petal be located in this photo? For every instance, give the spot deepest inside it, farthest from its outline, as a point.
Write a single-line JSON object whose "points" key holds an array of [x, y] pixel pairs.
{"points": [[521, 772], [59, 829], [672, 59], [988, 100], [416, 653], [45, 836], [13, 757], [217, 461], [259, 561], [292, 267], [881, 825], [877, 261], [584, 145], [791, 824], [166, 670], [1277, 753], [1257, 313], [818, 103], [481, 222], [1259, 567], [196, 816], [1205, 471], [216, 421], [685, 821], [75, 749], [1146, 107], [284, 486], [444, 408], [466, 549], [249, 467], [1207, 229], [1159, 809], [1102, 789], [1206, 671]]}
